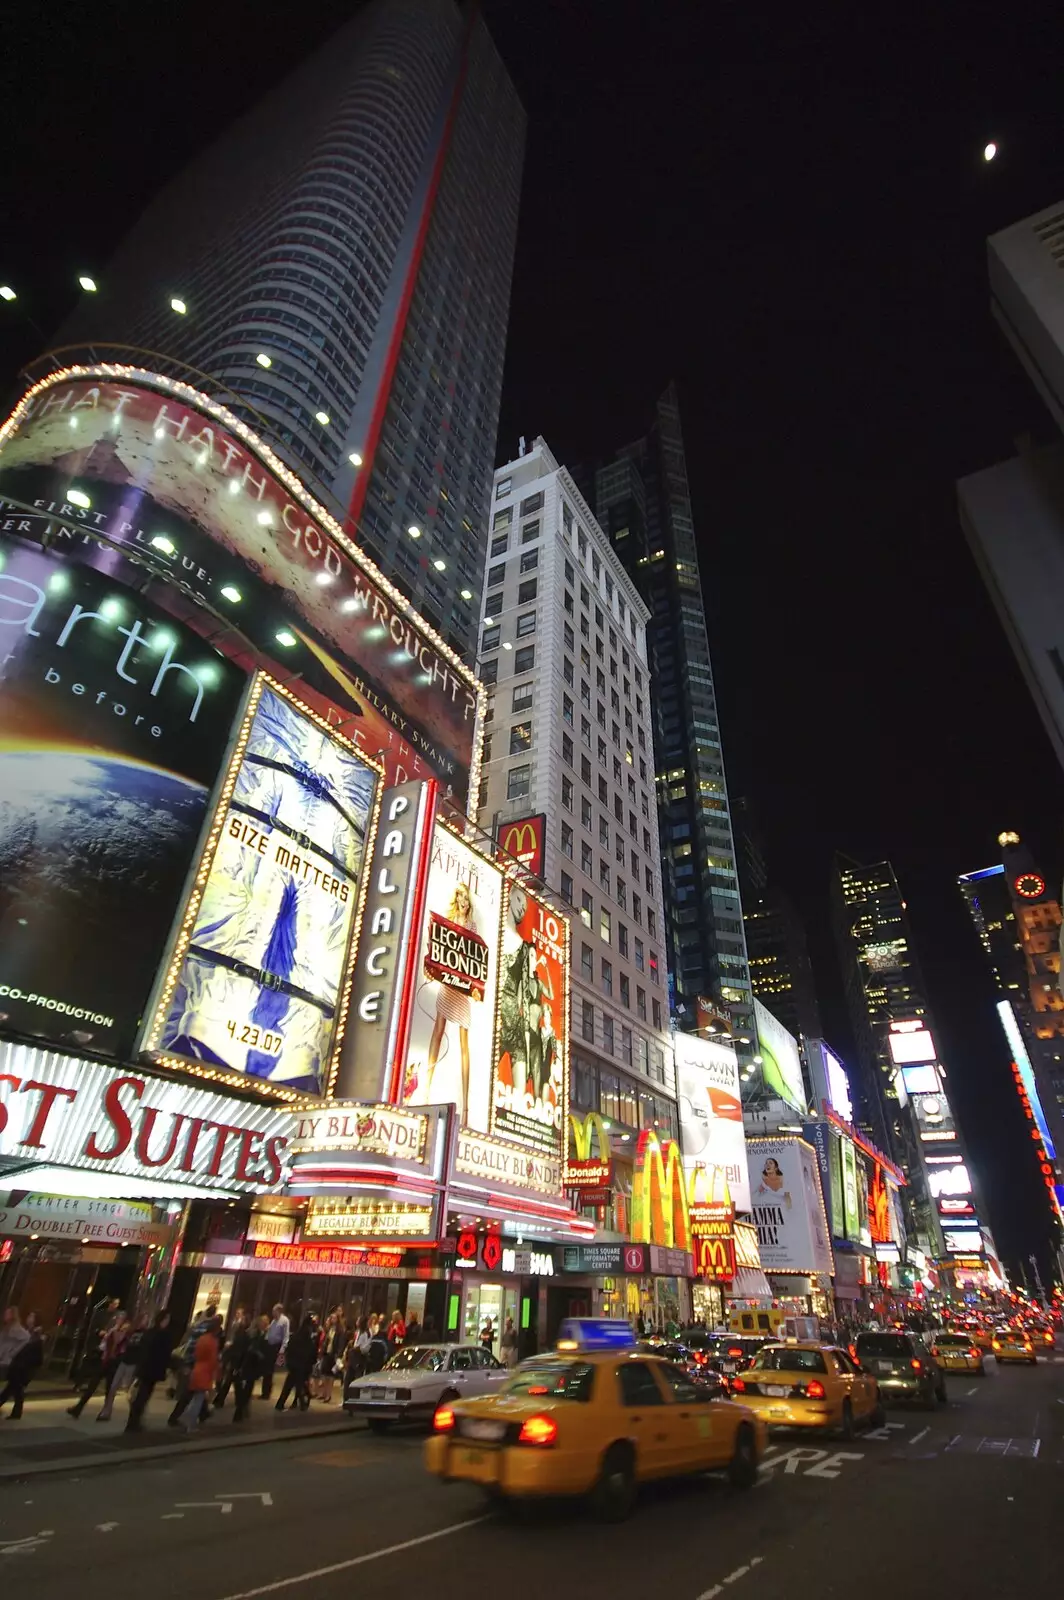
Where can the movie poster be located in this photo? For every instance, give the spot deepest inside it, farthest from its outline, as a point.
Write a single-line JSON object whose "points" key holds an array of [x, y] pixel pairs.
{"points": [[260, 973], [114, 723], [792, 1229], [449, 1045], [529, 1079]]}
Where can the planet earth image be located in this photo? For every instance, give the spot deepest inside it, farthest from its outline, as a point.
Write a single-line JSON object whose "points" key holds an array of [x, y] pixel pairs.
{"points": [[94, 853]]}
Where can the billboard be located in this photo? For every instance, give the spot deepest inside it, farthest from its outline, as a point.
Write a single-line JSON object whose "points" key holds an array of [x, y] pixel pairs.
{"points": [[532, 1038], [171, 476], [851, 1206], [253, 983], [781, 1064], [711, 1113], [792, 1228], [949, 1180], [455, 984], [526, 841], [910, 1042], [828, 1078], [114, 724]]}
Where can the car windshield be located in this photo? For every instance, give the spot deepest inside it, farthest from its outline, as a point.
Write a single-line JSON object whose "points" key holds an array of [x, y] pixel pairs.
{"points": [[555, 1380], [882, 1344], [953, 1341], [787, 1358], [427, 1358]]}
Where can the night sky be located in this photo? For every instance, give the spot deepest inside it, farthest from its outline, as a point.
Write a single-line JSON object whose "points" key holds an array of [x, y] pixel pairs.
{"points": [[785, 210]]}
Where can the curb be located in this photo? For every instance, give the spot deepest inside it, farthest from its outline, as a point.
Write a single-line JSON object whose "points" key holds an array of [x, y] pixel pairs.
{"points": [[176, 1449]]}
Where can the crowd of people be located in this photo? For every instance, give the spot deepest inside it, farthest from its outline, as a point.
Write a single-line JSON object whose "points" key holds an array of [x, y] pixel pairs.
{"points": [[132, 1356]]}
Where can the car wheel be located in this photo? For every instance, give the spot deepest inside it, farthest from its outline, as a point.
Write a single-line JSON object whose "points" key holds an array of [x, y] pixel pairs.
{"points": [[379, 1424], [613, 1496], [878, 1419], [742, 1468], [846, 1425]]}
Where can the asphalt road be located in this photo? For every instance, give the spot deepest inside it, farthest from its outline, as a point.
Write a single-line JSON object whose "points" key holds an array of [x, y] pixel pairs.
{"points": [[963, 1501]]}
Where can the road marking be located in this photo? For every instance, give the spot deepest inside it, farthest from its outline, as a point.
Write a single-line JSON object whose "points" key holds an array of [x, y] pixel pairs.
{"points": [[359, 1561], [967, 1392], [707, 1594], [886, 1430], [26, 1546], [831, 1467], [921, 1435], [105, 1527], [259, 1494], [338, 1458]]}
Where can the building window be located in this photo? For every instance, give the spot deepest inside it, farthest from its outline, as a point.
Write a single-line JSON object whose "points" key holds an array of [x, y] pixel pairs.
{"points": [[529, 532], [531, 503], [567, 670], [622, 887], [607, 976], [585, 812], [518, 783], [656, 1012], [641, 1003], [626, 990], [567, 750], [527, 591], [493, 606], [530, 560], [604, 833], [604, 877], [570, 638], [568, 604], [567, 840], [489, 671], [520, 738], [496, 575], [622, 938], [522, 697], [526, 623], [587, 860], [567, 888], [654, 968], [603, 791], [606, 927], [587, 963], [652, 924], [489, 639], [500, 545], [639, 955], [503, 487], [585, 732], [626, 1038], [503, 518], [567, 793], [525, 659], [567, 710], [607, 1033], [587, 1021], [585, 770], [637, 906], [587, 909]]}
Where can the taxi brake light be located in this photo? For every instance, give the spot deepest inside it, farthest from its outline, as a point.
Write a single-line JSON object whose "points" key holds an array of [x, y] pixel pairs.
{"points": [[974, 1351], [538, 1430], [916, 1365], [1048, 1337], [443, 1421], [538, 1388], [996, 1344], [737, 1386], [935, 1351], [815, 1389]]}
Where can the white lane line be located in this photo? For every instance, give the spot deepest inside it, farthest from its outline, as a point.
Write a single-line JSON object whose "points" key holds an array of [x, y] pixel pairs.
{"points": [[924, 1433], [972, 1390], [718, 1588], [358, 1561], [1037, 1447]]}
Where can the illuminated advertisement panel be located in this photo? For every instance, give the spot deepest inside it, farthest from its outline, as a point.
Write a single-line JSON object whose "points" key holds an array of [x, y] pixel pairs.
{"points": [[949, 1180], [711, 1114], [910, 1041], [532, 1040], [921, 1080], [781, 1063], [448, 1058], [851, 1208], [1026, 1071], [963, 1241], [253, 983], [525, 840], [114, 725], [162, 471], [788, 1207]]}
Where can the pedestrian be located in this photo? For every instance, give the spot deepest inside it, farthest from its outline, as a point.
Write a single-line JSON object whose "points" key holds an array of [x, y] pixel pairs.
{"points": [[508, 1344], [356, 1355], [103, 1371], [155, 1354], [23, 1364], [396, 1332], [237, 1331], [487, 1335], [125, 1368], [299, 1362], [13, 1335], [377, 1354], [203, 1374], [186, 1360], [413, 1329], [101, 1319], [334, 1340], [277, 1339], [251, 1357]]}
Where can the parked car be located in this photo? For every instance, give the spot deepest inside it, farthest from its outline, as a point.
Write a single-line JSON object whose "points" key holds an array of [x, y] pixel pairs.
{"points": [[903, 1366], [418, 1378]]}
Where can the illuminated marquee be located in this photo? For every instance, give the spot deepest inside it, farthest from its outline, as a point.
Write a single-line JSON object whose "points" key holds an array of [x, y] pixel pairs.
{"points": [[354, 1218], [659, 1198]]}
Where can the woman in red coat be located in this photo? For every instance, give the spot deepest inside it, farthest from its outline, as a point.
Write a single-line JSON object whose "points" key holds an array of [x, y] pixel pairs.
{"points": [[204, 1374]]}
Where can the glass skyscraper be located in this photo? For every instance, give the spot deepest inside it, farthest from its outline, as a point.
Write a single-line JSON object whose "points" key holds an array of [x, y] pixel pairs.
{"points": [[337, 268], [641, 499]]}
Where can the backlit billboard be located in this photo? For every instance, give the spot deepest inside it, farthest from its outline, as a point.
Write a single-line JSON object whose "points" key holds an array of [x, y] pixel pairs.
{"points": [[788, 1207], [781, 1064], [711, 1115], [531, 1049], [253, 983], [525, 839], [455, 984], [910, 1041], [114, 723], [160, 470]]}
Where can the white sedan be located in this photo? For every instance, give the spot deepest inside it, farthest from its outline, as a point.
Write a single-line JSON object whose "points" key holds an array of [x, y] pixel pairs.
{"points": [[417, 1378]]}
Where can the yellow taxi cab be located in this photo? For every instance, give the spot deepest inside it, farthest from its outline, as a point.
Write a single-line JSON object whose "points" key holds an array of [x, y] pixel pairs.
{"points": [[1014, 1344], [597, 1417], [802, 1384], [981, 1336], [1043, 1336], [958, 1352]]}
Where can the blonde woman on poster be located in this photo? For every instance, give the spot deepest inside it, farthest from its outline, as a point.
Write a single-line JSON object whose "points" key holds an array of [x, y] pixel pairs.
{"points": [[453, 1006]]}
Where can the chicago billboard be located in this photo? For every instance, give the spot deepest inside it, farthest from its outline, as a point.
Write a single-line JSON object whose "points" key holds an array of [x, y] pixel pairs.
{"points": [[114, 723], [253, 982], [792, 1227], [159, 470], [531, 1047], [711, 1114]]}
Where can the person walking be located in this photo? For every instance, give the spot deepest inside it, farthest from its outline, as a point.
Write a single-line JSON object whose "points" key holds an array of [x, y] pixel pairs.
{"points": [[187, 1357], [356, 1355], [22, 1365], [487, 1335], [396, 1331], [277, 1338], [13, 1335], [125, 1368], [237, 1338], [299, 1362], [104, 1369], [101, 1319], [155, 1354], [203, 1376], [334, 1340], [251, 1357], [413, 1329], [508, 1344], [377, 1354]]}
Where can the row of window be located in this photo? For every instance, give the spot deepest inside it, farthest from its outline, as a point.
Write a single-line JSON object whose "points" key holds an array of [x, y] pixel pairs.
{"points": [[592, 1088], [587, 966]]}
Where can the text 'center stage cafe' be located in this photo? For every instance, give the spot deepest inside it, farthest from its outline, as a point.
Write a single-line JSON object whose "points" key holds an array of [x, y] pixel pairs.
{"points": [[270, 1028]]}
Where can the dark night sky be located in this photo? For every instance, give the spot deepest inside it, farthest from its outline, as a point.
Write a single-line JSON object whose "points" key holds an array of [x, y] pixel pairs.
{"points": [[785, 209]]}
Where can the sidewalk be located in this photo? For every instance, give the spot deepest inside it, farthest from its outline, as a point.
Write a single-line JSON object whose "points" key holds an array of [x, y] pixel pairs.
{"points": [[46, 1439]]}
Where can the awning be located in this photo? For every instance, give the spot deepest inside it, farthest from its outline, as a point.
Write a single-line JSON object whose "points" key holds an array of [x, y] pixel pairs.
{"points": [[750, 1284]]}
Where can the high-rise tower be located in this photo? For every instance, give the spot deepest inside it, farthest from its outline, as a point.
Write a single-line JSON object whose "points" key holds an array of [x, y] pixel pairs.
{"points": [[641, 499], [339, 261]]}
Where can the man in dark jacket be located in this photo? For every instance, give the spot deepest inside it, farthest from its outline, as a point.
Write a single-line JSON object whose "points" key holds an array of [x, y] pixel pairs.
{"points": [[300, 1356], [24, 1363], [155, 1352]]}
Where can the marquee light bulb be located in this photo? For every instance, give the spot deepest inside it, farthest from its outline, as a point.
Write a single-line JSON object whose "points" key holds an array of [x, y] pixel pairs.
{"points": [[178, 305], [166, 545], [355, 459], [87, 283], [414, 531], [263, 359], [322, 417], [989, 151], [467, 594], [264, 519], [7, 293], [440, 564], [285, 637], [229, 591], [78, 497]]}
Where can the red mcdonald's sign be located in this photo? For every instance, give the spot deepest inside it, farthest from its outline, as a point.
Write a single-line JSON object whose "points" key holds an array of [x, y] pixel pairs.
{"points": [[525, 840]]}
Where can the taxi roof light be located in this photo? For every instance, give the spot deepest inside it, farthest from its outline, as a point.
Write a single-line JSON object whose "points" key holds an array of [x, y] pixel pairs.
{"points": [[595, 1333], [541, 1431]]}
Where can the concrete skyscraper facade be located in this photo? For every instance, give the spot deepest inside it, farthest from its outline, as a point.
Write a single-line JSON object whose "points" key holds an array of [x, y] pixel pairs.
{"points": [[642, 500], [337, 268]]}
